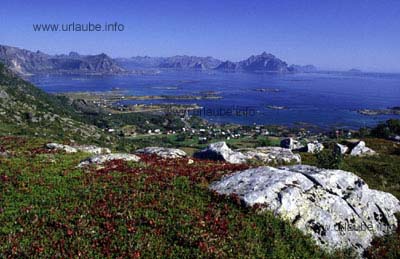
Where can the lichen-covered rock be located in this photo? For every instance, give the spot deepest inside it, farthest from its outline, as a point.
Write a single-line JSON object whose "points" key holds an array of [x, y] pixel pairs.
{"points": [[220, 151], [65, 148], [4, 153], [101, 159], [291, 144], [95, 150], [341, 149], [336, 207], [162, 152], [276, 155], [314, 147], [362, 150]]}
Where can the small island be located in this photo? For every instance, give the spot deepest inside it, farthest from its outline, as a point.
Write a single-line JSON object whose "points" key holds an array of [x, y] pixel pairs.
{"points": [[267, 90], [166, 87], [354, 71], [372, 112], [115, 102], [115, 95], [276, 107]]}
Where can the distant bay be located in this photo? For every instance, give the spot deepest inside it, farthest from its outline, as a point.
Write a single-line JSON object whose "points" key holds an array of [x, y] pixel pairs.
{"points": [[323, 99]]}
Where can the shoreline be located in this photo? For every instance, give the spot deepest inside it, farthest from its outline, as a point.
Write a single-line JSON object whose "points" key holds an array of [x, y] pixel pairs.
{"points": [[113, 101]]}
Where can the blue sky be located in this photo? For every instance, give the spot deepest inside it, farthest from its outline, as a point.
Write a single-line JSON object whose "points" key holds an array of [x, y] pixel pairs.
{"points": [[331, 34]]}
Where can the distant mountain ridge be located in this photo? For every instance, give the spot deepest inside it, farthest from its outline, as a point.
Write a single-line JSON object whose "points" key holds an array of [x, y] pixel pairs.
{"points": [[140, 62], [303, 69], [25, 62], [264, 62], [191, 62], [174, 62]]}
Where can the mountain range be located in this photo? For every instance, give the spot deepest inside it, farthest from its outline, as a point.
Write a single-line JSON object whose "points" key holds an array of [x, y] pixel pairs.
{"points": [[174, 62], [25, 62], [264, 62]]}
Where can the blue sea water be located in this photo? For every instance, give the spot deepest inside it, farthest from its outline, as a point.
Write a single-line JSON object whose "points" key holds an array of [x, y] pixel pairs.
{"points": [[322, 99]]}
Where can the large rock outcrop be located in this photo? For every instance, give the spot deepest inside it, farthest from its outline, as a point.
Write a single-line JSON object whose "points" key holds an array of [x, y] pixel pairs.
{"points": [[162, 152], [336, 207], [220, 151]]}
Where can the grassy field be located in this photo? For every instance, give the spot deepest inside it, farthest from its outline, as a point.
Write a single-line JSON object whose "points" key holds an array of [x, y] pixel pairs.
{"points": [[152, 209]]}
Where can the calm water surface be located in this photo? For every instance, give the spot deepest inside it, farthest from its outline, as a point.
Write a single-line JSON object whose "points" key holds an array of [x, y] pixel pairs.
{"points": [[325, 100]]}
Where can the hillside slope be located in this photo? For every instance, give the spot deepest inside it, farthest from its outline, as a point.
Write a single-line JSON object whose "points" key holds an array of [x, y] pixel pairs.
{"points": [[25, 109]]}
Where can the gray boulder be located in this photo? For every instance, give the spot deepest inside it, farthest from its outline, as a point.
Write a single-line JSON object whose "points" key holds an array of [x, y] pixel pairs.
{"points": [[4, 153], [220, 151], [395, 138], [95, 150], [162, 152], [101, 159], [83, 148], [340, 149], [291, 144], [362, 150], [61, 147], [335, 207], [314, 147], [275, 155]]}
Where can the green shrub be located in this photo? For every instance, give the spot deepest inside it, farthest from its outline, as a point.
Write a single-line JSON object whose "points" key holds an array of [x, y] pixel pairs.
{"points": [[265, 142], [329, 159], [384, 130]]}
